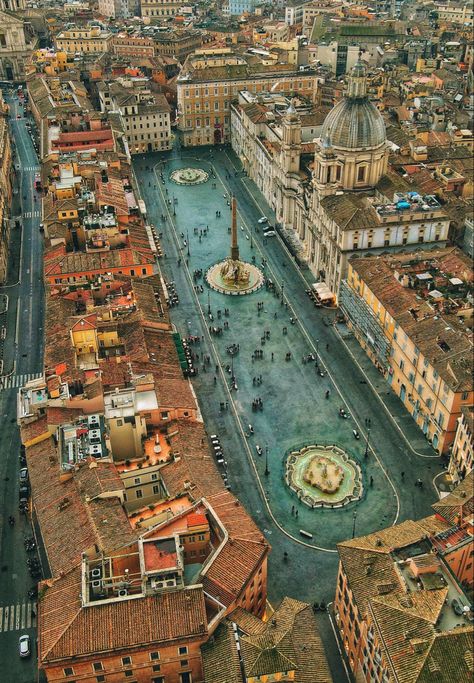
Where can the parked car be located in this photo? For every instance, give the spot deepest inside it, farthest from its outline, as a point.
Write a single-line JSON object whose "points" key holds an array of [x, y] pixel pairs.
{"points": [[263, 219], [457, 607], [269, 231], [24, 476], [23, 494], [24, 645]]}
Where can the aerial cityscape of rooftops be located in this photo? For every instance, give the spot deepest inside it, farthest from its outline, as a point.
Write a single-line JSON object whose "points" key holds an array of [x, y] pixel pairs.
{"points": [[236, 341]]}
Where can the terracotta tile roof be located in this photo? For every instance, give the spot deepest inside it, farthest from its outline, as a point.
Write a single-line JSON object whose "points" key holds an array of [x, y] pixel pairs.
{"points": [[288, 641], [459, 503], [58, 416], [246, 621], [405, 631], [110, 522], [174, 393], [449, 657], [195, 468], [93, 479], [220, 657], [246, 548], [114, 374], [67, 533], [350, 211], [69, 630], [367, 561], [81, 523], [33, 430], [427, 327], [83, 262]]}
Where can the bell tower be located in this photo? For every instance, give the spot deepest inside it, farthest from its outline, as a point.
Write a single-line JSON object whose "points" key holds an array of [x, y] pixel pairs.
{"points": [[291, 141]]}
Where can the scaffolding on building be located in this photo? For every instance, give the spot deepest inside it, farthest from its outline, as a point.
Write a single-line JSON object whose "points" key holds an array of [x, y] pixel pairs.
{"points": [[365, 325]]}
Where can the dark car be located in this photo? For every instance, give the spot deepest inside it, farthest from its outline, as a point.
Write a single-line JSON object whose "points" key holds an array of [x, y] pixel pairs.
{"points": [[457, 607], [24, 494]]}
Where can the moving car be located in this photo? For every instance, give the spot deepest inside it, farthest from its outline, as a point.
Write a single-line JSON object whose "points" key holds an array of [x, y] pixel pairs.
{"points": [[263, 219], [24, 645]]}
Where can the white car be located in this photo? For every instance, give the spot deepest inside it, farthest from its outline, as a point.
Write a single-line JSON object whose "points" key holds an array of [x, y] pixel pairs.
{"points": [[24, 645], [263, 219], [269, 231]]}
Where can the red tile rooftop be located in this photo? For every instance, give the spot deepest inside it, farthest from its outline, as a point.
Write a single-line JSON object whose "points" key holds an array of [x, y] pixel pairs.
{"points": [[196, 519], [160, 512], [152, 456], [160, 555]]}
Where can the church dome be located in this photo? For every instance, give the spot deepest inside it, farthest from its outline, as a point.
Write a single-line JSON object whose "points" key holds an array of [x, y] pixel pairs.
{"points": [[355, 123]]}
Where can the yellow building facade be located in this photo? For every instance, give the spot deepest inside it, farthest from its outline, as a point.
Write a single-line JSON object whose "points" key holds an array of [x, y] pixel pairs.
{"points": [[84, 40], [426, 363]]}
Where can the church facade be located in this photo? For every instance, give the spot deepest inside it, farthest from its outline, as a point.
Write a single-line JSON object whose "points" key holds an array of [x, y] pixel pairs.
{"points": [[17, 40], [339, 201]]}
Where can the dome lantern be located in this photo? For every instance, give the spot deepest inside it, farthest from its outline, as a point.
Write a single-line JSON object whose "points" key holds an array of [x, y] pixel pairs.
{"points": [[357, 85]]}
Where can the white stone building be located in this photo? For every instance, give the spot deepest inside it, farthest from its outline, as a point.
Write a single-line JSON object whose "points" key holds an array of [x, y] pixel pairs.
{"points": [[335, 199], [145, 115]]}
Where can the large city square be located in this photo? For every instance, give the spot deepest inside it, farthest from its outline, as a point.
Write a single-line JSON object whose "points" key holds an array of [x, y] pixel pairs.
{"points": [[236, 341], [302, 395]]}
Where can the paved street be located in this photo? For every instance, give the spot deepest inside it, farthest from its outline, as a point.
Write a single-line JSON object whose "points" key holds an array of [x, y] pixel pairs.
{"points": [[22, 359], [295, 408]]}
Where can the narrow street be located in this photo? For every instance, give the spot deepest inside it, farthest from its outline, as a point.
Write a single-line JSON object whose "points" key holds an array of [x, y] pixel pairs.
{"points": [[22, 359]]}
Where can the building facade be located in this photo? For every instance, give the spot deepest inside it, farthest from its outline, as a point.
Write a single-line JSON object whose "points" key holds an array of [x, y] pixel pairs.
{"points": [[145, 115], [89, 40], [343, 205], [462, 453], [17, 41], [426, 360], [211, 79], [393, 603], [5, 189], [156, 10]]}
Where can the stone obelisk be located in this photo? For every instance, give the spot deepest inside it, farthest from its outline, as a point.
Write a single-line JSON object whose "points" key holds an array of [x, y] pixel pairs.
{"points": [[234, 247]]}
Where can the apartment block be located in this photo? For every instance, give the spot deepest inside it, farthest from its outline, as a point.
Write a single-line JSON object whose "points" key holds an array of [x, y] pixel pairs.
{"points": [[462, 451], [145, 115], [400, 608], [156, 10], [412, 316], [87, 39], [211, 79]]}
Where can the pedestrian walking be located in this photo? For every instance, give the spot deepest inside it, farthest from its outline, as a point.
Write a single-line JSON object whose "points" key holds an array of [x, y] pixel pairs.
{"points": [[296, 514], [402, 476]]}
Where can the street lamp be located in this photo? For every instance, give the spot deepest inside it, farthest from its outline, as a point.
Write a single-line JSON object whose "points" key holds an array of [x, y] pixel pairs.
{"points": [[282, 292], [267, 471], [208, 302], [187, 242], [251, 236], [354, 517], [232, 369], [366, 454]]}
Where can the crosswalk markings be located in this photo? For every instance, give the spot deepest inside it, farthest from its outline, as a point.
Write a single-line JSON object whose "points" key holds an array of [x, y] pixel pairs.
{"points": [[15, 381], [17, 617], [31, 214]]}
